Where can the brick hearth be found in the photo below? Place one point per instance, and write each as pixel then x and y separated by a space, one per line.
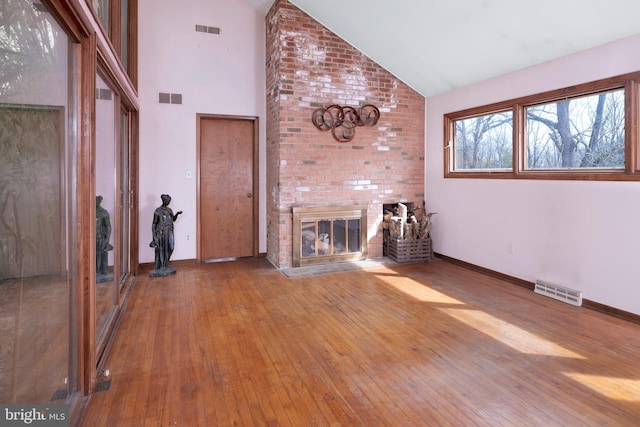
pixel 309 67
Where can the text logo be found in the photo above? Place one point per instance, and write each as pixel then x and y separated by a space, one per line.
pixel 34 415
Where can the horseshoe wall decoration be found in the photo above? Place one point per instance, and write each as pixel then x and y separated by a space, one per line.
pixel 342 121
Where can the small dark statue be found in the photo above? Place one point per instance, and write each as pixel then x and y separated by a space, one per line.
pixel 163 240
pixel 103 234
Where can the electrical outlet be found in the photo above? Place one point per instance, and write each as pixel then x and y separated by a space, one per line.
pixel 188 236
pixel 188 174
pixel 510 248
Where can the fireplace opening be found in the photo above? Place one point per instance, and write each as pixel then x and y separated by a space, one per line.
pixel 327 234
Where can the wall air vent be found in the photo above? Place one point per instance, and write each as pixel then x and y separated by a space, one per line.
pixel 205 29
pixel 104 94
pixel 570 296
pixel 169 98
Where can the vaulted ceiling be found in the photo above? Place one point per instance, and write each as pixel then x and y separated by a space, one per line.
pixel 440 45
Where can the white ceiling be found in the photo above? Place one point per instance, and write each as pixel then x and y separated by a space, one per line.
pixel 439 45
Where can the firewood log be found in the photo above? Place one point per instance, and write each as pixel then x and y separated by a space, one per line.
pixel 395 228
pixel 402 213
pixel 414 228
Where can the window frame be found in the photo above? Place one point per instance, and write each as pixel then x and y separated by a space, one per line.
pixel 114 34
pixel 631 171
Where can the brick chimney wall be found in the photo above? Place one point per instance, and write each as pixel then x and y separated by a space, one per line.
pixel 309 67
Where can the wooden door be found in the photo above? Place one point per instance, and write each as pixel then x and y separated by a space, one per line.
pixel 227 199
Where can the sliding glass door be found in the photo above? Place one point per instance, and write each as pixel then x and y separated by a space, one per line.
pixel 38 113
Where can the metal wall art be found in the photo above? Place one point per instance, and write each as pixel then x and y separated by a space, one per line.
pixel 342 121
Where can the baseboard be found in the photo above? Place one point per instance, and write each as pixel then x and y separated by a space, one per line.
pixel 611 311
pixel 148 266
pixel 488 272
pixel 592 305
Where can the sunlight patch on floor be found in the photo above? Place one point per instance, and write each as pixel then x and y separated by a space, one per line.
pixel 418 290
pixel 613 388
pixel 509 334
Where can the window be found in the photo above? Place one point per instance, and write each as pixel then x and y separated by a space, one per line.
pixel 124 33
pixel 38 251
pixel 119 23
pixel 102 8
pixel 106 206
pixel 484 142
pixel 582 132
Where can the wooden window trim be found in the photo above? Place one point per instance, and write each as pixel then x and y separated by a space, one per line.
pixel 133 42
pixel 631 172
pixel 113 36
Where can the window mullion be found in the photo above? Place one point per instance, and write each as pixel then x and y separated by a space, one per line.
pixel 518 139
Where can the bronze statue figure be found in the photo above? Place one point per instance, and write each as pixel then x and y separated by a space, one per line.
pixel 103 234
pixel 163 240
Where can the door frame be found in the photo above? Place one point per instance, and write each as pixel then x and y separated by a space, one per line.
pixel 254 184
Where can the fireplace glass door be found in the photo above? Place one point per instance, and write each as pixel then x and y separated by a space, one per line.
pixel 323 235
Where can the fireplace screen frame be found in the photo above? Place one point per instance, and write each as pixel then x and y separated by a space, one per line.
pixel 330 214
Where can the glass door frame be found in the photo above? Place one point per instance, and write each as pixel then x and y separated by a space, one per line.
pixel 89 46
pixel 126 194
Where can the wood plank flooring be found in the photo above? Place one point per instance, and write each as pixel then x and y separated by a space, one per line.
pixel 240 344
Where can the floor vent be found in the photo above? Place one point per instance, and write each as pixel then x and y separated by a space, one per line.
pixel 560 293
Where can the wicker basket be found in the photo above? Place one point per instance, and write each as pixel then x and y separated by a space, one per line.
pixel 410 250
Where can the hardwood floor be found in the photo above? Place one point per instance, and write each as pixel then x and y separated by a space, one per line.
pixel 239 343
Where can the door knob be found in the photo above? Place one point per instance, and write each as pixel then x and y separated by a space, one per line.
pixel 249 195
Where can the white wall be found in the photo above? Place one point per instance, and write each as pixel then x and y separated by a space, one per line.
pixel 216 74
pixel 583 235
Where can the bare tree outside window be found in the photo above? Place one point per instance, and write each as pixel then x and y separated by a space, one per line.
pixel 27 42
pixel 484 142
pixel 584 132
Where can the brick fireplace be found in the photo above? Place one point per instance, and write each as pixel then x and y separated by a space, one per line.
pixel 308 67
